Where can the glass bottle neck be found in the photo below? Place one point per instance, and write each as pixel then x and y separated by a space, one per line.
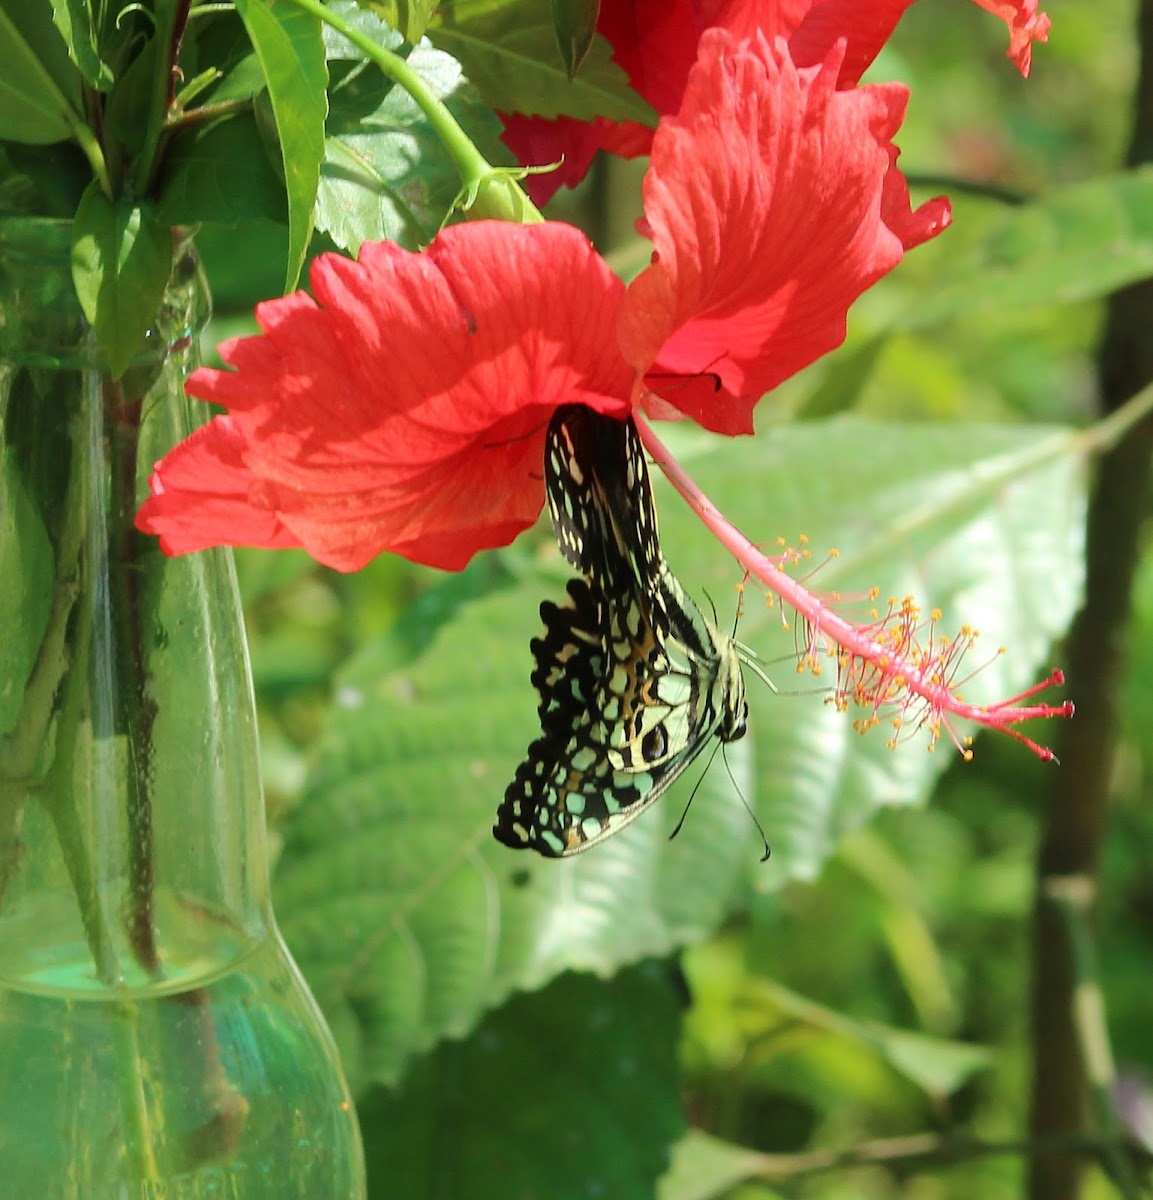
pixel 131 818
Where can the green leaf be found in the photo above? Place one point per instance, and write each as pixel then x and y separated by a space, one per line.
pixel 601 1061
pixel 509 52
pixel 409 920
pixel 74 20
pixel 386 173
pixel 984 522
pixel 407 915
pixel 1079 243
pixel 409 18
pixel 938 1066
pixel 56 176
pixel 126 113
pixel 847 373
pixel 243 80
pixel 25 545
pixel 220 172
pixel 289 44
pixel 706 1167
pixel 39 99
pixel 575 25
pixel 121 261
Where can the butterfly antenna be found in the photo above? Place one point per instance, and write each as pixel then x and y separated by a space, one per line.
pixel 751 659
pixel 748 808
pixel 716 619
pixel 696 786
pixel 747 654
pixel 732 779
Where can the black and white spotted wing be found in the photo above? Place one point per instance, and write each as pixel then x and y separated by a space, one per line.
pixel 633 680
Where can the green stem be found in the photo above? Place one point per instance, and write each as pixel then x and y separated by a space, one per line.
pixel 971 187
pixel 21 748
pixel 90 146
pixel 45 701
pixel 128 549
pixel 170 22
pixel 928 1151
pixel 471 164
pixel 132 1079
pixel 1075 823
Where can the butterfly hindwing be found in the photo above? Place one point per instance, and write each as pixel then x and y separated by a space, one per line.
pixel 633 680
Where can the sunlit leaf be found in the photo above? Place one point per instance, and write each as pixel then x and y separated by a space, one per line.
pixel 410 920
pixel 386 171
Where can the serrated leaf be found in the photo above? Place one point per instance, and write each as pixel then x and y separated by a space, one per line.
pixel 509 53
pixel 290 46
pixel 386 173
pixel 620 1104
pixel 575 24
pixel 407 917
pixel 1080 242
pixel 121 261
pixel 37 105
pixel 984 522
pixel 430 914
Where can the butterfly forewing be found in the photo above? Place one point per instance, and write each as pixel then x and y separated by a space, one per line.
pixel 633 680
pixel 600 498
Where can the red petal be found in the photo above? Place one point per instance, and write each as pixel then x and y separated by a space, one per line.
pixel 203 495
pixel 655 42
pixel 773 203
pixel 538 141
pixel 405 409
pixel 1026 26
pixel 865 29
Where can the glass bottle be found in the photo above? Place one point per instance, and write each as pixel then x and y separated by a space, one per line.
pixel 156 1040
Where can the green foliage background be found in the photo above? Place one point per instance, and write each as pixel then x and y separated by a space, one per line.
pixel 520 1028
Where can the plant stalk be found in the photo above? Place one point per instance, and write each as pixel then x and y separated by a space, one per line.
pixel 1076 820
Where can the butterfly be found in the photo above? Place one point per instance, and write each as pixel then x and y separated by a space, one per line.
pixel 633 680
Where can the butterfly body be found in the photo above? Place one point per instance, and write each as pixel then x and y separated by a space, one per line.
pixel 633 680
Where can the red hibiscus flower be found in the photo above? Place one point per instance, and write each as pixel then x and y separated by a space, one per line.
pixel 655 42
pixel 404 408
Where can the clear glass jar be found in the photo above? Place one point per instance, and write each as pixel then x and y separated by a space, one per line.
pixel 156 1039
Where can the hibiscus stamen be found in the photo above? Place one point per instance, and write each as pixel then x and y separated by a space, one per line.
pixel 898 665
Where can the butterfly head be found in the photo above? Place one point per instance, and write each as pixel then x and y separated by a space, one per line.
pixel 735 713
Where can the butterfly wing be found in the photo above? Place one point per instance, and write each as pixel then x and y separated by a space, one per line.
pixel 633 681
pixel 600 498
pixel 618 724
